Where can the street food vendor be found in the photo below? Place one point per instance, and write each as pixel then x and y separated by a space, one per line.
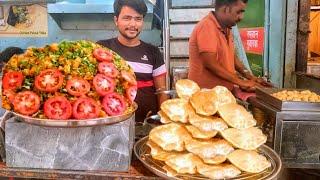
pixel 145 59
pixel 212 55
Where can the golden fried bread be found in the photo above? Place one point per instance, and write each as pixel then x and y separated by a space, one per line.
pixel 236 116
pixel 164 119
pixel 207 123
pixel 185 163
pixel 224 96
pixel 170 137
pixel 305 95
pixel 248 139
pixel 170 172
pixel 204 102
pixel 176 110
pixel 249 161
pixel 185 88
pixel 158 153
pixel 197 133
pixel 212 151
pixel 221 171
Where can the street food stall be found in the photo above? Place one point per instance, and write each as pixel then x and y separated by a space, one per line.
pixel 107 143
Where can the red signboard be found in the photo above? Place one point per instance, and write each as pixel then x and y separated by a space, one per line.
pixel 253 39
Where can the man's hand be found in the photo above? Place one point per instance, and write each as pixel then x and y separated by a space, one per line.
pixel 160 84
pixel 261 81
pixel 248 75
pixel 248 85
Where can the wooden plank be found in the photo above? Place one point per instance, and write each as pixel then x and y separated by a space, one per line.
pixel 303 33
pixel 179 48
pixel 183 3
pixel 137 171
pixel 181 30
pixel 187 15
pixel 183 62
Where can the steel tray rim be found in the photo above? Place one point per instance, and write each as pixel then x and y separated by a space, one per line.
pixel 270 153
pixel 74 123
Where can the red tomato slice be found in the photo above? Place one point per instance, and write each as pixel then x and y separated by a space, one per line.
pixel 85 108
pixel 26 102
pixel 103 84
pixel 114 104
pixel 103 54
pixel 78 86
pixel 49 80
pixel 12 80
pixel 130 78
pixel 10 94
pixel 57 107
pixel 131 93
pixel 108 69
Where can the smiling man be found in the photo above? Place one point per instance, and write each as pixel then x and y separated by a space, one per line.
pixel 145 59
pixel 212 55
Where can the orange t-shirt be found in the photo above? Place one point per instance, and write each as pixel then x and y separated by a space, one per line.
pixel 208 36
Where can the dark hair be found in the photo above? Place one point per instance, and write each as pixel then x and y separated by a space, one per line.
pixel 220 3
pixel 6 54
pixel 138 5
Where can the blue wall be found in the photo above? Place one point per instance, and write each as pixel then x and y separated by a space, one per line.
pixel 56 34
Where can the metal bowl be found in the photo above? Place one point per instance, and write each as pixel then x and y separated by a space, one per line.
pixel 142 151
pixel 73 123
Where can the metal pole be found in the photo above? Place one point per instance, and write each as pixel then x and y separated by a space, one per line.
pixel 266 39
pixel 166 39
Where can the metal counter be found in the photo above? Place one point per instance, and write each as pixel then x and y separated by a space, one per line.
pixel 136 171
pixel 294 135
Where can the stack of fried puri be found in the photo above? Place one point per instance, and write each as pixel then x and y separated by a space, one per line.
pixel 206 132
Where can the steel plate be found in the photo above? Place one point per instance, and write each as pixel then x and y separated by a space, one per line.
pixel 142 151
pixel 73 123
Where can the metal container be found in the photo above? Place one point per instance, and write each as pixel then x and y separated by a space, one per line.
pixel 104 147
pixel 294 135
pixel 94 144
pixel 142 151
pixel 264 94
pixel 142 129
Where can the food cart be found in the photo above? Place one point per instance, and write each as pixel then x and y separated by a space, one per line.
pixel 62 24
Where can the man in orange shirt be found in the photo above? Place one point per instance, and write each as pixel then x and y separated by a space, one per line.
pixel 212 55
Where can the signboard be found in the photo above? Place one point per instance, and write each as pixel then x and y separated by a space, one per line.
pixel 23 20
pixel 253 40
pixel 252 35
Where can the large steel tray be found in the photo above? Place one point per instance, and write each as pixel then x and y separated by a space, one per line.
pixel 142 151
pixel 73 123
pixel 264 94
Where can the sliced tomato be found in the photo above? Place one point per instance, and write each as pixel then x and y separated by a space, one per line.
pixel 57 107
pixel 114 104
pixel 49 80
pixel 131 93
pixel 129 77
pixel 103 54
pixel 26 102
pixel 77 86
pixel 12 80
pixel 108 69
pixel 85 108
pixel 103 84
pixel 10 94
